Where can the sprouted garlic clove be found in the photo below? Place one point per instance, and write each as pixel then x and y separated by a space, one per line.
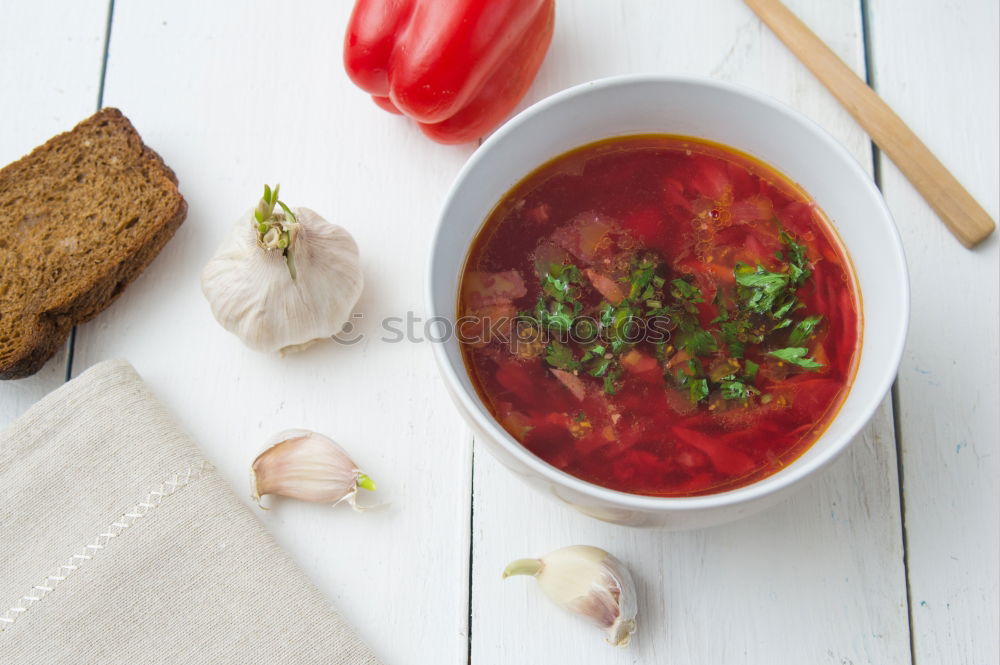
pixel 305 465
pixel 588 582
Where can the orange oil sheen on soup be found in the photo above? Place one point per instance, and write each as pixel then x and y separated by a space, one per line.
pixel 660 315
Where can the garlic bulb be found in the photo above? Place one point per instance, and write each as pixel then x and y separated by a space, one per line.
pixel 285 279
pixel 589 582
pixel 308 466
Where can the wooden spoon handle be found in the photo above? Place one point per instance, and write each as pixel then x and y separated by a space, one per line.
pixel 954 205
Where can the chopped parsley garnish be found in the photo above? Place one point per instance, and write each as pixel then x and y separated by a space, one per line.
pixel 685 291
pixel 611 381
pixel 561 356
pixel 698 389
pixel 617 323
pixel 723 314
pixel 562 282
pixel 804 329
pixel 796 355
pixel 690 336
pixel 555 316
pixel 737 390
pixel 760 290
pixel 692 381
pixel 595 351
pixel 697 342
pixel 558 307
pixel 798 269
pixel 761 309
pixel 601 367
pixel 641 285
pixel 736 334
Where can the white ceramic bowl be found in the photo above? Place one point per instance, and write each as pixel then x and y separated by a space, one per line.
pixel 730 115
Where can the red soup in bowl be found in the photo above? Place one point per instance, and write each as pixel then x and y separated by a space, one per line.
pixel 660 315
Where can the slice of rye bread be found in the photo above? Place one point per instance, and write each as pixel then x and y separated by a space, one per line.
pixel 80 218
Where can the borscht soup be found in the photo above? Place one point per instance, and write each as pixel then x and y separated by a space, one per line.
pixel 660 315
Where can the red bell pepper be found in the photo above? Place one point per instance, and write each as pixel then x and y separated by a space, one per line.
pixel 457 68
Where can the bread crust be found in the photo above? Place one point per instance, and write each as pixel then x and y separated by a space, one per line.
pixel 48 319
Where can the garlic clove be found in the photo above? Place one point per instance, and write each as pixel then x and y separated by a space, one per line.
pixel 588 582
pixel 308 466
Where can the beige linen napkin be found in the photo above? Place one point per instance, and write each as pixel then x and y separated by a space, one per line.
pixel 120 544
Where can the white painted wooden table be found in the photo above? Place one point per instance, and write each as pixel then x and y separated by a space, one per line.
pixel 890 557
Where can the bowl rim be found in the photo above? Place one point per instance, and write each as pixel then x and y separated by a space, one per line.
pixel 769 485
